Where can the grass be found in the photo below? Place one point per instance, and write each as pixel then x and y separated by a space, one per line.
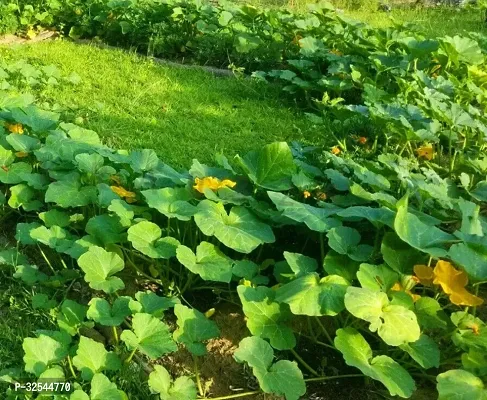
pixel 434 22
pixel 133 102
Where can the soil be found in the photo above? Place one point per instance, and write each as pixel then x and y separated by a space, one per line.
pixel 14 39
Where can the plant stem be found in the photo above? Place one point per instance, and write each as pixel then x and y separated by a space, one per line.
pixel 304 363
pixel 322 247
pixel 234 396
pixel 197 376
pixel 129 358
pixel 115 334
pixel 71 367
pixel 329 378
pixel 325 332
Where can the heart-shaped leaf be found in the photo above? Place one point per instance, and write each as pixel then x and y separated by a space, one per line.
pixel 282 378
pixel 316 219
pixel 193 329
pixel 395 324
pixel 182 388
pixel 270 167
pixel 145 236
pixel 149 335
pixel 357 353
pixel 103 313
pixel 265 317
pixel 209 262
pixel 91 357
pixel 99 267
pixel 310 295
pixel 171 202
pixel 240 229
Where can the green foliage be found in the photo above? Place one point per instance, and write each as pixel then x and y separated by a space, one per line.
pixel 381 236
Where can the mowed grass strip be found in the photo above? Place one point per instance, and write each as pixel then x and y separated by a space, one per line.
pixel 133 102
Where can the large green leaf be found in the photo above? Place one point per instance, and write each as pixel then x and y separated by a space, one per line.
pixel 103 389
pixel 418 234
pixel 145 236
pixel 161 383
pixel 316 219
pixel 310 295
pixel 150 303
pixel 240 230
pixel 106 228
pixel 271 167
pixel 458 384
pixel 424 351
pixel 71 316
pixel 103 313
pixel 357 353
pixel 400 256
pixel 149 335
pixel 282 378
pixel 208 262
pixel 92 357
pixel 265 317
pixel 99 267
pixel 377 277
pixel 193 329
pixel 14 173
pixel 42 352
pixel 345 240
pixel 69 193
pixel 300 264
pixel 473 259
pixel 395 324
pixel 172 202
pixel 462 49
pixel 342 265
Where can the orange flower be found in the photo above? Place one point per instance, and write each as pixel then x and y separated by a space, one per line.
pixel 336 150
pixel 21 154
pixel 425 152
pixel 425 274
pixel 453 282
pixel 306 194
pixel 128 196
pixel 212 183
pixel 362 140
pixel 15 128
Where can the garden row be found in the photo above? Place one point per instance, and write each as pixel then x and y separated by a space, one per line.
pixel 374 249
pixel 382 260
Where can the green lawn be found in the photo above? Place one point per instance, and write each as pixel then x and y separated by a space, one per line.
pixel 133 102
pixel 433 22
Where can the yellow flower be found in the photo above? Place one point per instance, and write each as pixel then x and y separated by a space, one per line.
pixel 212 183
pixel 336 150
pixel 21 154
pixel 306 194
pixel 425 152
pixel 399 288
pixel 128 196
pixel 453 282
pixel 31 33
pixel 425 274
pixel 15 128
